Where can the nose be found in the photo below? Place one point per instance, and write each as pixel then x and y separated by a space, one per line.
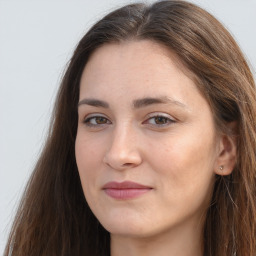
pixel 124 151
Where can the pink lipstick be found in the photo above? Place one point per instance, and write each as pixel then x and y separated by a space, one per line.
pixel 125 190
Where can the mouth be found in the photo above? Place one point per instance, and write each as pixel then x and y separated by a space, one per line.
pixel 125 190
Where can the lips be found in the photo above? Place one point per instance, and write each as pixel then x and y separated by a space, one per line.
pixel 125 190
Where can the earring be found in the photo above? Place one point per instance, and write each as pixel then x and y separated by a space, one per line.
pixel 221 167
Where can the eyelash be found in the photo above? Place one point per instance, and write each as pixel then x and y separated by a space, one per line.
pixel 167 121
pixel 90 118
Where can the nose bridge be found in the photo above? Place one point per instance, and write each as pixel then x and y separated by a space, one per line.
pixel 123 132
pixel 123 150
pixel 124 139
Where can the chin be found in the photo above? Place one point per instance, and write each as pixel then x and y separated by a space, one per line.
pixel 124 226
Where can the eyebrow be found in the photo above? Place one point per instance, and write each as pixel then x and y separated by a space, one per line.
pixel 94 103
pixel 159 100
pixel 139 103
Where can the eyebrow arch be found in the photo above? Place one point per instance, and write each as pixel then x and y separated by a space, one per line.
pixel 94 103
pixel 159 100
pixel 139 103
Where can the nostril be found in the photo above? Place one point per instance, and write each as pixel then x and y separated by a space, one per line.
pixel 118 160
pixel 128 164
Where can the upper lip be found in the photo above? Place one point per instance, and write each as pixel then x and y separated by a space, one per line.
pixel 124 185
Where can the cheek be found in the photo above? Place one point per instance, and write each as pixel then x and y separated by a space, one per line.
pixel 88 151
pixel 185 165
pixel 87 159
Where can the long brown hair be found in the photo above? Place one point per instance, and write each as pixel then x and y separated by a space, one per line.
pixel 54 218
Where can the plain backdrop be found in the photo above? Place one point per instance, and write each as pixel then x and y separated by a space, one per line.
pixel 37 39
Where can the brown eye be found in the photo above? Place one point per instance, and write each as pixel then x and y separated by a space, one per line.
pixel 96 120
pixel 100 120
pixel 161 120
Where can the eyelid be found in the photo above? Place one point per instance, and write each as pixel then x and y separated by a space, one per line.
pixel 160 114
pixel 89 117
pixel 95 115
pixel 155 114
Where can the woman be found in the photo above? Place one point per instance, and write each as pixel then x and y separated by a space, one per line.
pixel 152 145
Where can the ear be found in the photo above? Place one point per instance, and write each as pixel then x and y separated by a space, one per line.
pixel 226 158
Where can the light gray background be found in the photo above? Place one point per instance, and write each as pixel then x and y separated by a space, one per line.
pixel 36 40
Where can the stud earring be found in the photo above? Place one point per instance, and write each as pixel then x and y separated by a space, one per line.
pixel 221 167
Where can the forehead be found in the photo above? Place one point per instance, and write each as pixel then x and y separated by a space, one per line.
pixel 140 64
pixel 134 50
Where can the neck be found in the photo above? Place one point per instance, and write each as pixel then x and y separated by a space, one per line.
pixel 177 242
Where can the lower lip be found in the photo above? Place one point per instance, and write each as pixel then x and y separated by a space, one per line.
pixel 126 193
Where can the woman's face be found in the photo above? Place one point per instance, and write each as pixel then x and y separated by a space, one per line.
pixel 146 146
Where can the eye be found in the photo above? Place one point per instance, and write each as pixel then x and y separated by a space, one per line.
pixel 95 121
pixel 159 120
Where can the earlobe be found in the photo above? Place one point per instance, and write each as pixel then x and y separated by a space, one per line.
pixel 226 158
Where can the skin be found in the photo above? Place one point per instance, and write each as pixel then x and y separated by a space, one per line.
pixel 170 146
